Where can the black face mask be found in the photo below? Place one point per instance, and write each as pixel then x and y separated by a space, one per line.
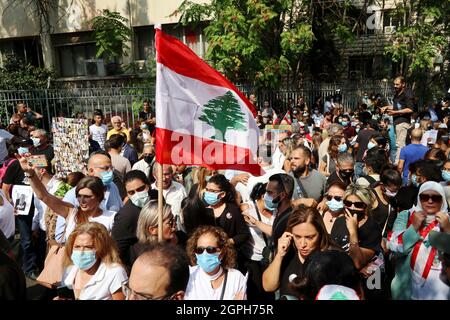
pixel 359 213
pixel 148 159
pixel 346 175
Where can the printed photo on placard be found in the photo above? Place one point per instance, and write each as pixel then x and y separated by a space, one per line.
pixel 22 197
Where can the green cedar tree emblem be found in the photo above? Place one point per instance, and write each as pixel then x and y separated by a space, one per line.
pixel 224 113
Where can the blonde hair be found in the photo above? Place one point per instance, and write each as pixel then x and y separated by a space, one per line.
pixel 363 193
pixel 105 247
pixel 149 218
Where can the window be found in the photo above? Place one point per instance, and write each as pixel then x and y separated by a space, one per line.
pixel 28 50
pixel 360 67
pixel 193 38
pixel 72 58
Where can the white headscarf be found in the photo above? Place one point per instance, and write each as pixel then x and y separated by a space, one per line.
pixel 431 185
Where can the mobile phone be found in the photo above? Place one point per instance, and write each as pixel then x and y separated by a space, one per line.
pixel 65 292
pixel 38 160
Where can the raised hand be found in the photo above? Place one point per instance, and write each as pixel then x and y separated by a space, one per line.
pixel 418 219
pixel 444 221
pixel 24 162
pixel 283 243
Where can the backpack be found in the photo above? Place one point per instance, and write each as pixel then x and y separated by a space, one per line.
pixel 5 167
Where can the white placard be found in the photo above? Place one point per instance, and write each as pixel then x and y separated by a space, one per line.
pixel 22 197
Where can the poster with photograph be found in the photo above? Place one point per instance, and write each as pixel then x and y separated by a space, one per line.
pixel 71 145
pixel 22 197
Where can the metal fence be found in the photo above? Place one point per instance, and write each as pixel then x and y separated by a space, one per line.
pixel 127 101
pixel 123 101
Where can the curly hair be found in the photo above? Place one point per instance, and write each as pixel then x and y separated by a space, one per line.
pixel 105 247
pixel 227 250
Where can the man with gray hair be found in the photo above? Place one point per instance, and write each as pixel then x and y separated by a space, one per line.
pixel 344 170
pixel 333 130
pixel 41 147
pixel 265 161
pixel 118 128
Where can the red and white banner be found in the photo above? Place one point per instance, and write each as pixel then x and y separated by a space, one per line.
pixel 201 118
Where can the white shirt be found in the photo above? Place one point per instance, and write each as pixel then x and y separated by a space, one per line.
pixel 99 134
pixel 433 288
pixel 106 281
pixel 40 207
pixel 199 285
pixel 254 246
pixel 7 219
pixel 106 219
pixel 143 166
pixel 278 159
pixel 173 196
pixel 4 136
pixel 245 190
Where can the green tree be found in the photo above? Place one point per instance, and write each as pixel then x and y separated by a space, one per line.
pixel 111 34
pixel 224 113
pixel 269 40
pixel 422 36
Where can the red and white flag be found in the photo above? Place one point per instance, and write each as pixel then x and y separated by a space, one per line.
pixel 275 119
pixel 287 117
pixel 201 118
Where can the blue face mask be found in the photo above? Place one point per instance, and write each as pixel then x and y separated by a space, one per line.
pixel 36 141
pixel 23 151
pixel 371 145
pixel 208 262
pixel 269 203
pixel 334 205
pixel 143 126
pixel 344 123
pixel 84 260
pixel 342 148
pixel 107 177
pixel 414 181
pixel 211 198
pixel 446 175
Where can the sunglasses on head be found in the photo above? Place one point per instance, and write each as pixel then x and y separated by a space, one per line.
pixel 426 197
pixel 337 198
pixel 209 249
pixel 357 204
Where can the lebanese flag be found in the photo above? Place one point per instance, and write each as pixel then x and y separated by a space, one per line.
pixel 275 119
pixel 423 254
pixel 201 118
pixel 287 117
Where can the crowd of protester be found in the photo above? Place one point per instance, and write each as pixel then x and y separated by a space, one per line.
pixel 352 205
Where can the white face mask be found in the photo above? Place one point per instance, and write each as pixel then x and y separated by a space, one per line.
pixel 140 199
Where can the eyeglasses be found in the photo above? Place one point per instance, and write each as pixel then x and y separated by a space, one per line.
pixel 337 198
pixel 434 197
pixel 357 204
pixel 209 249
pixel 138 189
pixel 129 293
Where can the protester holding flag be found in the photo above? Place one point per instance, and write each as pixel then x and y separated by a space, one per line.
pixel 417 265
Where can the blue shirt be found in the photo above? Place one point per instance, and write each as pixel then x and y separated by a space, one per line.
pixel 112 202
pixel 410 154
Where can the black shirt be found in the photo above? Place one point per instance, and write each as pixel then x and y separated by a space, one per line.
pixel 12 279
pixel 234 225
pixel 384 214
pixel 362 140
pixel 402 101
pixel 290 269
pixel 14 175
pixel 279 226
pixel 145 115
pixel 125 225
pixel 334 177
pixel 369 234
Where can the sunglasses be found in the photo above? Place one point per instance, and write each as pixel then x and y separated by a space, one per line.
pixel 426 197
pixel 337 198
pixel 209 249
pixel 357 204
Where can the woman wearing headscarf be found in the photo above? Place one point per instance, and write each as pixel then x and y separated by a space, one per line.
pixel 418 266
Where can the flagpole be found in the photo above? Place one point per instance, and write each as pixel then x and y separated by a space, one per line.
pixel 160 201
